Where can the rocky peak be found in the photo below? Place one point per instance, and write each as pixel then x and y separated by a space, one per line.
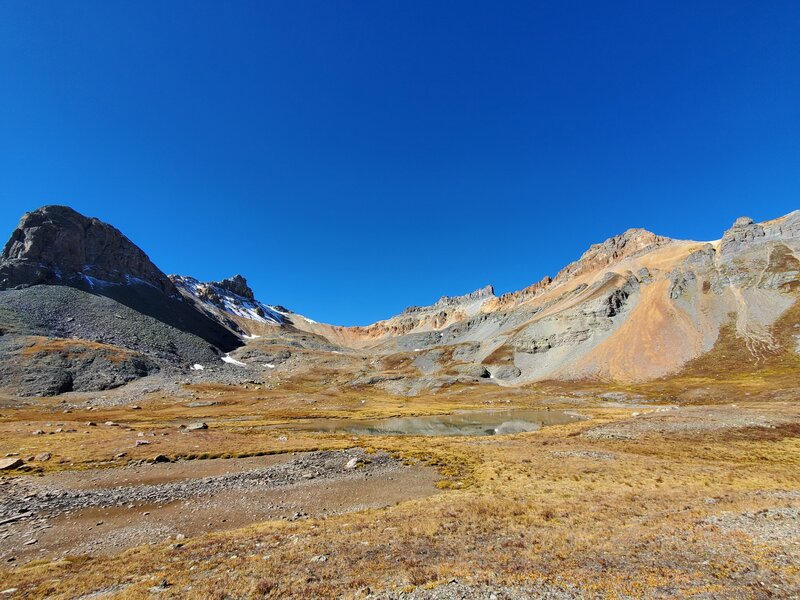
pixel 743 232
pixel 237 285
pixel 58 245
pixel 445 301
pixel 479 294
pixel 231 296
pixel 614 250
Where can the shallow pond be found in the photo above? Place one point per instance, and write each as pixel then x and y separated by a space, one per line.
pixel 483 422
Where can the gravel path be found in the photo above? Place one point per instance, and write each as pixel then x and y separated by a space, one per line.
pixel 21 496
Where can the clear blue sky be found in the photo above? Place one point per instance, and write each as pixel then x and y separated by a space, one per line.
pixel 354 158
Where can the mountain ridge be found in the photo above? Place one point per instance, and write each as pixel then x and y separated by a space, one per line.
pixel 636 306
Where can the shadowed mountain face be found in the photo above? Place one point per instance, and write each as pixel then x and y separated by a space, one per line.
pixel 638 306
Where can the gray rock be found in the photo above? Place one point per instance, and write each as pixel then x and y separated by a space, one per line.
pixel 743 233
pixel 473 370
pixel 505 372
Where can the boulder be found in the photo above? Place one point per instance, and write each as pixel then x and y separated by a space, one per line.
pixel 506 372
pixel 7 464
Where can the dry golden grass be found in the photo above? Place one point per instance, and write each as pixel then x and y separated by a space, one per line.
pixel 73 347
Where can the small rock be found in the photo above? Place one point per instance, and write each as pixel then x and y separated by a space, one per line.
pixel 142 442
pixel 43 457
pixel 160 458
pixel 136 407
pixel 320 559
pixel 30 542
pixel 120 455
pixel 91 424
pixel 111 424
pixel 351 464
pixel 196 426
pixel 37 432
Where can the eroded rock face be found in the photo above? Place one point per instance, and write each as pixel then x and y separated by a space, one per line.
pixel 57 245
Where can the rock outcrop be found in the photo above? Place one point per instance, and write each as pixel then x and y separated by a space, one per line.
pixel 614 249
pixel 57 245
pixel 237 285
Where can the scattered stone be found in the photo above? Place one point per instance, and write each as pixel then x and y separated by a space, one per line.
pixel 37 432
pixel 351 464
pixel 142 442
pixel 320 559
pixel 160 458
pixel 196 426
pixel 91 424
pixel 111 424
pixel 43 457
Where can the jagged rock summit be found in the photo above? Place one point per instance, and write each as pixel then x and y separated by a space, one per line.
pixel 58 245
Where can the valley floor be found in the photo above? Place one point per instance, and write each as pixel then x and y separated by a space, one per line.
pixel 647 497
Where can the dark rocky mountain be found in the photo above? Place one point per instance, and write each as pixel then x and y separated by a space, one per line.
pixel 56 245
pixel 83 308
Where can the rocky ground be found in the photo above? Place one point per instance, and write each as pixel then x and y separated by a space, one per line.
pixel 108 510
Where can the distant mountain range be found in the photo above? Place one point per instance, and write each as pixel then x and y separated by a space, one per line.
pixel 83 308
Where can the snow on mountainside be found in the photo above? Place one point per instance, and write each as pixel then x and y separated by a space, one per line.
pixel 232 296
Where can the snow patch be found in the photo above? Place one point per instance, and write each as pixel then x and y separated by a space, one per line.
pixel 250 337
pixel 197 367
pixel 232 361
pixel 269 365
pixel 219 298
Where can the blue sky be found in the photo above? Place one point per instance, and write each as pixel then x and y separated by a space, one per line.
pixel 353 158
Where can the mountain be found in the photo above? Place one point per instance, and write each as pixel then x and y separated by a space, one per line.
pixel 636 307
pixel 83 308
pixel 65 276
